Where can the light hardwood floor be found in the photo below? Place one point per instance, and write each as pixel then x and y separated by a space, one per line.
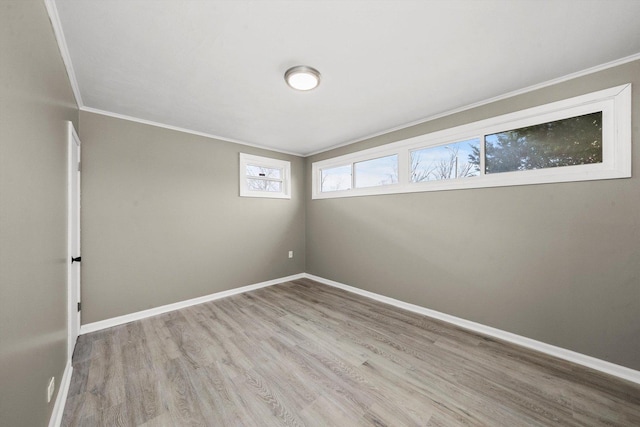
pixel 302 353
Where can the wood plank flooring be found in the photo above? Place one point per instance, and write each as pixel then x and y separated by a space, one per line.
pixel 305 354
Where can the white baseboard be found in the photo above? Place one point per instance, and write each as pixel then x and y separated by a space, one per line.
pixel 559 352
pixel 61 399
pixel 120 320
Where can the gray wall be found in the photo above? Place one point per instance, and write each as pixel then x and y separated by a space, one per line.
pixel 559 263
pixel 162 221
pixel 35 102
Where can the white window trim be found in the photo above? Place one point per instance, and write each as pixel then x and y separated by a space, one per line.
pixel 284 165
pixel 615 104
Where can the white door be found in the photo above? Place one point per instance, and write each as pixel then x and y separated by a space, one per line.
pixel 73 270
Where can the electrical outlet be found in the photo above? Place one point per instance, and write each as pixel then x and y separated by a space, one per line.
pixel 290 254
pixel 51 388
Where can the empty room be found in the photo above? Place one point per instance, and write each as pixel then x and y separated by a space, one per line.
pixel 319 213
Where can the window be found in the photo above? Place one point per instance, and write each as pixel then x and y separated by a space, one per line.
pixel 451 161
pixel 583 138
pixel 336 178
pixel 264 177
pixel 375 172
pixel 568 142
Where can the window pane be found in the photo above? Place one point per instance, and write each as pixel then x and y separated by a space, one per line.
pixel 261 171
pixel 264 185
pixel 458 160
pixel 568 142
pixel 372 173
pixel 335 179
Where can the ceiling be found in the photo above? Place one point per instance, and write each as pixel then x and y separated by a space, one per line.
pixel 216 67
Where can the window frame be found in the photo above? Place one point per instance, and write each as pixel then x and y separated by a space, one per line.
pixel 266 162
pixel 615 104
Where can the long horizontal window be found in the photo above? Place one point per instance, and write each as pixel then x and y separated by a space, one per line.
pixel 583 138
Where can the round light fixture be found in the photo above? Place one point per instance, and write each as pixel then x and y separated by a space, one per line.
pixel 302 77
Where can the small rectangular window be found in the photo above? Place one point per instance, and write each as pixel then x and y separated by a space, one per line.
pixel 568 142
pixel 263 185
pixel 451 161
pixel 336 178
pixel 264 177
pixel 377 172
pixel 261 171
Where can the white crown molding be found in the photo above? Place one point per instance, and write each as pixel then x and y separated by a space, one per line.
pixel 64 51
pixel 120 320
pixel 551 350
pixel 58 408
pixel 184 130
pixel 507 95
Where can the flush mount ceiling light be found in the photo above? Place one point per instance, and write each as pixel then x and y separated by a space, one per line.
pixel 302 77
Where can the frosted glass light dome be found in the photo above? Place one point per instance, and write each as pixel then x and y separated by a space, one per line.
pixel 302 77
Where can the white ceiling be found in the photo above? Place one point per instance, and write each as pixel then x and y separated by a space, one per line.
pixel 216 67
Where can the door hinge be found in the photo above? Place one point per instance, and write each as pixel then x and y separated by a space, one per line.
pixel 79 306
pixel 79 166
